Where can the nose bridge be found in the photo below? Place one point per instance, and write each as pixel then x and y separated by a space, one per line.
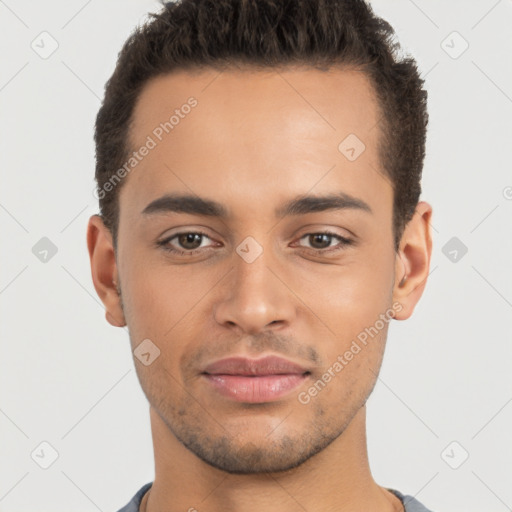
pixel 253 277
pixel 256 297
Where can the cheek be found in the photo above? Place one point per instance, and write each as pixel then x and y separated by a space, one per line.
pixel 160 299
pixel 144 305
pixel 348 296
pixel 149 302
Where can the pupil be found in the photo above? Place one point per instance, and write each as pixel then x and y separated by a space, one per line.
pixel 320 240
pixel 190 240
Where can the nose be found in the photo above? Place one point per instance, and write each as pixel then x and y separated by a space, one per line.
pixel 255 297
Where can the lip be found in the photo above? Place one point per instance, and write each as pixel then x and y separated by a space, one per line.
pixel 268 365
pixel 255 380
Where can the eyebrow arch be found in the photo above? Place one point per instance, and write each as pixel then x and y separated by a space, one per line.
pixel 310 204
pixel 300 205
pixel 178 203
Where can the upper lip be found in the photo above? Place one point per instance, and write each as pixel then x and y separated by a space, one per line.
pixel 268 365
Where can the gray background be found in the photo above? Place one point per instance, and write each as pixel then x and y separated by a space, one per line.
pixel 68 378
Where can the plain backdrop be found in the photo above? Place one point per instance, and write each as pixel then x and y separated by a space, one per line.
pixel 440 418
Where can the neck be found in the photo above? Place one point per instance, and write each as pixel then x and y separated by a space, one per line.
pixel 336 479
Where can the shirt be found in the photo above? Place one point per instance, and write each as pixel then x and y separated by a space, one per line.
pixel 410 503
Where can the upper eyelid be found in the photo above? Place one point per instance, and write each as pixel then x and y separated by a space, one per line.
pixel 342 240
pixel 328 233
pixel 167 239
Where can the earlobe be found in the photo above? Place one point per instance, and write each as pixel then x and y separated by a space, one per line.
pixel 413 261
pixel 104 270
pixel 113 321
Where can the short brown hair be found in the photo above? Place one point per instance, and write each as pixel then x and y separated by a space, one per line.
pixel 269 34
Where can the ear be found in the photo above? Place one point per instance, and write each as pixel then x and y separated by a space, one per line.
pixel 413 261
pixel 104 270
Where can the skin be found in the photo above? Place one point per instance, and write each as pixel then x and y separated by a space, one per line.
pixel 255 140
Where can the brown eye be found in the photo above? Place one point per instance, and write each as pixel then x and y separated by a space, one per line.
pixel 324 242
pixel 190 240
pixel 320 240
pixel 187 243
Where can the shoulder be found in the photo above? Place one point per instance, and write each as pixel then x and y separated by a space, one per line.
pixel 411 504
pixel 134 504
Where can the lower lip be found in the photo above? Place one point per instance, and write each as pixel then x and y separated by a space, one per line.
pixel 257 389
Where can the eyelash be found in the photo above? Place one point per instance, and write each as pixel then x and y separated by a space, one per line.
pixel 164 243
pixel 172 250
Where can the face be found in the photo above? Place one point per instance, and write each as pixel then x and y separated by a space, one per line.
pixel 273 240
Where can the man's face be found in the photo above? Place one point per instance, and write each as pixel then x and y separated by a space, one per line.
pixel 254 142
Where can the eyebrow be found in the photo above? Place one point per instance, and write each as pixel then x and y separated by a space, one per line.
pixel 195 205
pixel 309 204
pixel 301 205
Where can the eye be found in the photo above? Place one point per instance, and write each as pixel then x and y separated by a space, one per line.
pixel 185 243
pixel 322 241
pixel 191 242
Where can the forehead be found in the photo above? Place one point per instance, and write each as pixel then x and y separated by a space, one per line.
pixel 243 134
pixel 261 102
